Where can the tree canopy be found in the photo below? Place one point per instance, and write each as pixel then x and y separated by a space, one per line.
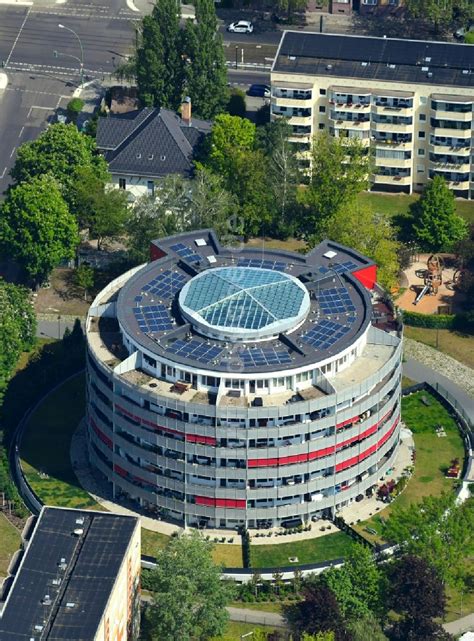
pixel 189 596
pixel 340 170
pixel 436 225
pixel 171 62
pixel 37 227
pixel 17 329
pixel 437 530
pixel 58 151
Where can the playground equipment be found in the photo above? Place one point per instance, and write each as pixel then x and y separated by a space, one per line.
pixel 432 277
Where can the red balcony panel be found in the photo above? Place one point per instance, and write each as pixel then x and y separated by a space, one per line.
pixel 119 470
pixel 204 440
pixel 347 422
pixel 205 500
pixel 345 464
pixel 103 437
pixel 240 504
pixel 367 276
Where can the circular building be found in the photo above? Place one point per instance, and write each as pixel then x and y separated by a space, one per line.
pixel 232 387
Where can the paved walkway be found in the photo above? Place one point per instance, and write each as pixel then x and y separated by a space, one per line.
pixel 257 617
pixel 425 363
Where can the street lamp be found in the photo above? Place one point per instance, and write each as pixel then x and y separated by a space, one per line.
pixel 81 61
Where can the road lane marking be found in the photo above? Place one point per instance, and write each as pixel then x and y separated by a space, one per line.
pixel 3 172
pixel 12 152
pixel 17 37
pixel 21 132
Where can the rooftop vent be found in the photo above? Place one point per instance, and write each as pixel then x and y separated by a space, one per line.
pixel 62 565
pixel 80 520
pixel 425 68
pixel 427 59
pixel 392 66
pixel 328 67
pixel 465 72
pixel 78 532
pixel 139 155
pixel 38 627
pixel 46 600
pixel 56 581
pixel 150 156
pixel 162 158
pixel 70 604
pixel 212 259
pixel 200 242
pixel 330 254
pixel 430 74
pixel 364 64
pixel 292 57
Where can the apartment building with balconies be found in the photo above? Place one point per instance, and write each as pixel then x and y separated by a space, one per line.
pixel 410 102
pixel 236 387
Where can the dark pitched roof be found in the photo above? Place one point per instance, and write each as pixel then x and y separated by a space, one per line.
pixel 390 59
pixel 92 562
pixel 149 142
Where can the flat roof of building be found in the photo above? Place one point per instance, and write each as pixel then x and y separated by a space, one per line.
pixel 368 58
pixel 77 572
pixel 339 308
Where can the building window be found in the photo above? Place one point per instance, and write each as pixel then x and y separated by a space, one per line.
pixel 150 187
pixel 421 152
pixel 322 110
pixel 420 169
pixel 321 125
pixel 421 134
pixel 370 2
pixel 322 92
pixel 122 183
pixel 423 100
pixel 422 117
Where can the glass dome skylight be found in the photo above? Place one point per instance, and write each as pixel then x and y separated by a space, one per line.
pixel 244 303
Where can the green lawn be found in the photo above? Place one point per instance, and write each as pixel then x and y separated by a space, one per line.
pixel 395 204
pixel 433 456
pixel 46 443
pixel 459 346
pixel 10 541
pixel 322 548
pixel 235 630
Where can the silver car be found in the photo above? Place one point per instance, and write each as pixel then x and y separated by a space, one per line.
pixel 241 26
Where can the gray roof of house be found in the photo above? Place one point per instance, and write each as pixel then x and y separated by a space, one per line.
pixel 149 142
pixel 389 59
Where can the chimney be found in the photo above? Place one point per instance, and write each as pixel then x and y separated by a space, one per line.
pixel 186 111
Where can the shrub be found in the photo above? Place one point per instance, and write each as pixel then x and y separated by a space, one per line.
pixel 236 105
pixel 74 108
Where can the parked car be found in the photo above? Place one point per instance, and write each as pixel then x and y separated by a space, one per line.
pixel 259 90
pixel 461 33
pixel 241 26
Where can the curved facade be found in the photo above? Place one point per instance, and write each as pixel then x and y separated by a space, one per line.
pixel 235 387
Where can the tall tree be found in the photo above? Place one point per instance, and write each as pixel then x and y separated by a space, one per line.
pixel 366 628
pixel 17 329
pixel 211 205
pixel 159 62
pixel 205 70
pixel 416 592
pixel 37 227
pixel 189 596
pixel 59 150
pixel 339 171
pixel 284 175
pixel 378 240
pixel 317 612
pixel 436 225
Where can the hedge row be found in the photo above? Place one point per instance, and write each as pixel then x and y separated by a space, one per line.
pixel 462 322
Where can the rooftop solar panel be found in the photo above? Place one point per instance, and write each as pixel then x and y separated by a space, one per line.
pixel 153 318
pixel 186 252
pixel 335 300
pixel 194 349
pixel 261 263
pixel 325 334
pixel 258 357
pixel 166 284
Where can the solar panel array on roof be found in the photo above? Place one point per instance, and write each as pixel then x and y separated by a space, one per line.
pixel 195 349
pixel 153 318
pixel 258 357
pixel 264 264
pixel 325 334
pixel 338 268
pixel 165 284
pixel 186 252
pixel 335 300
